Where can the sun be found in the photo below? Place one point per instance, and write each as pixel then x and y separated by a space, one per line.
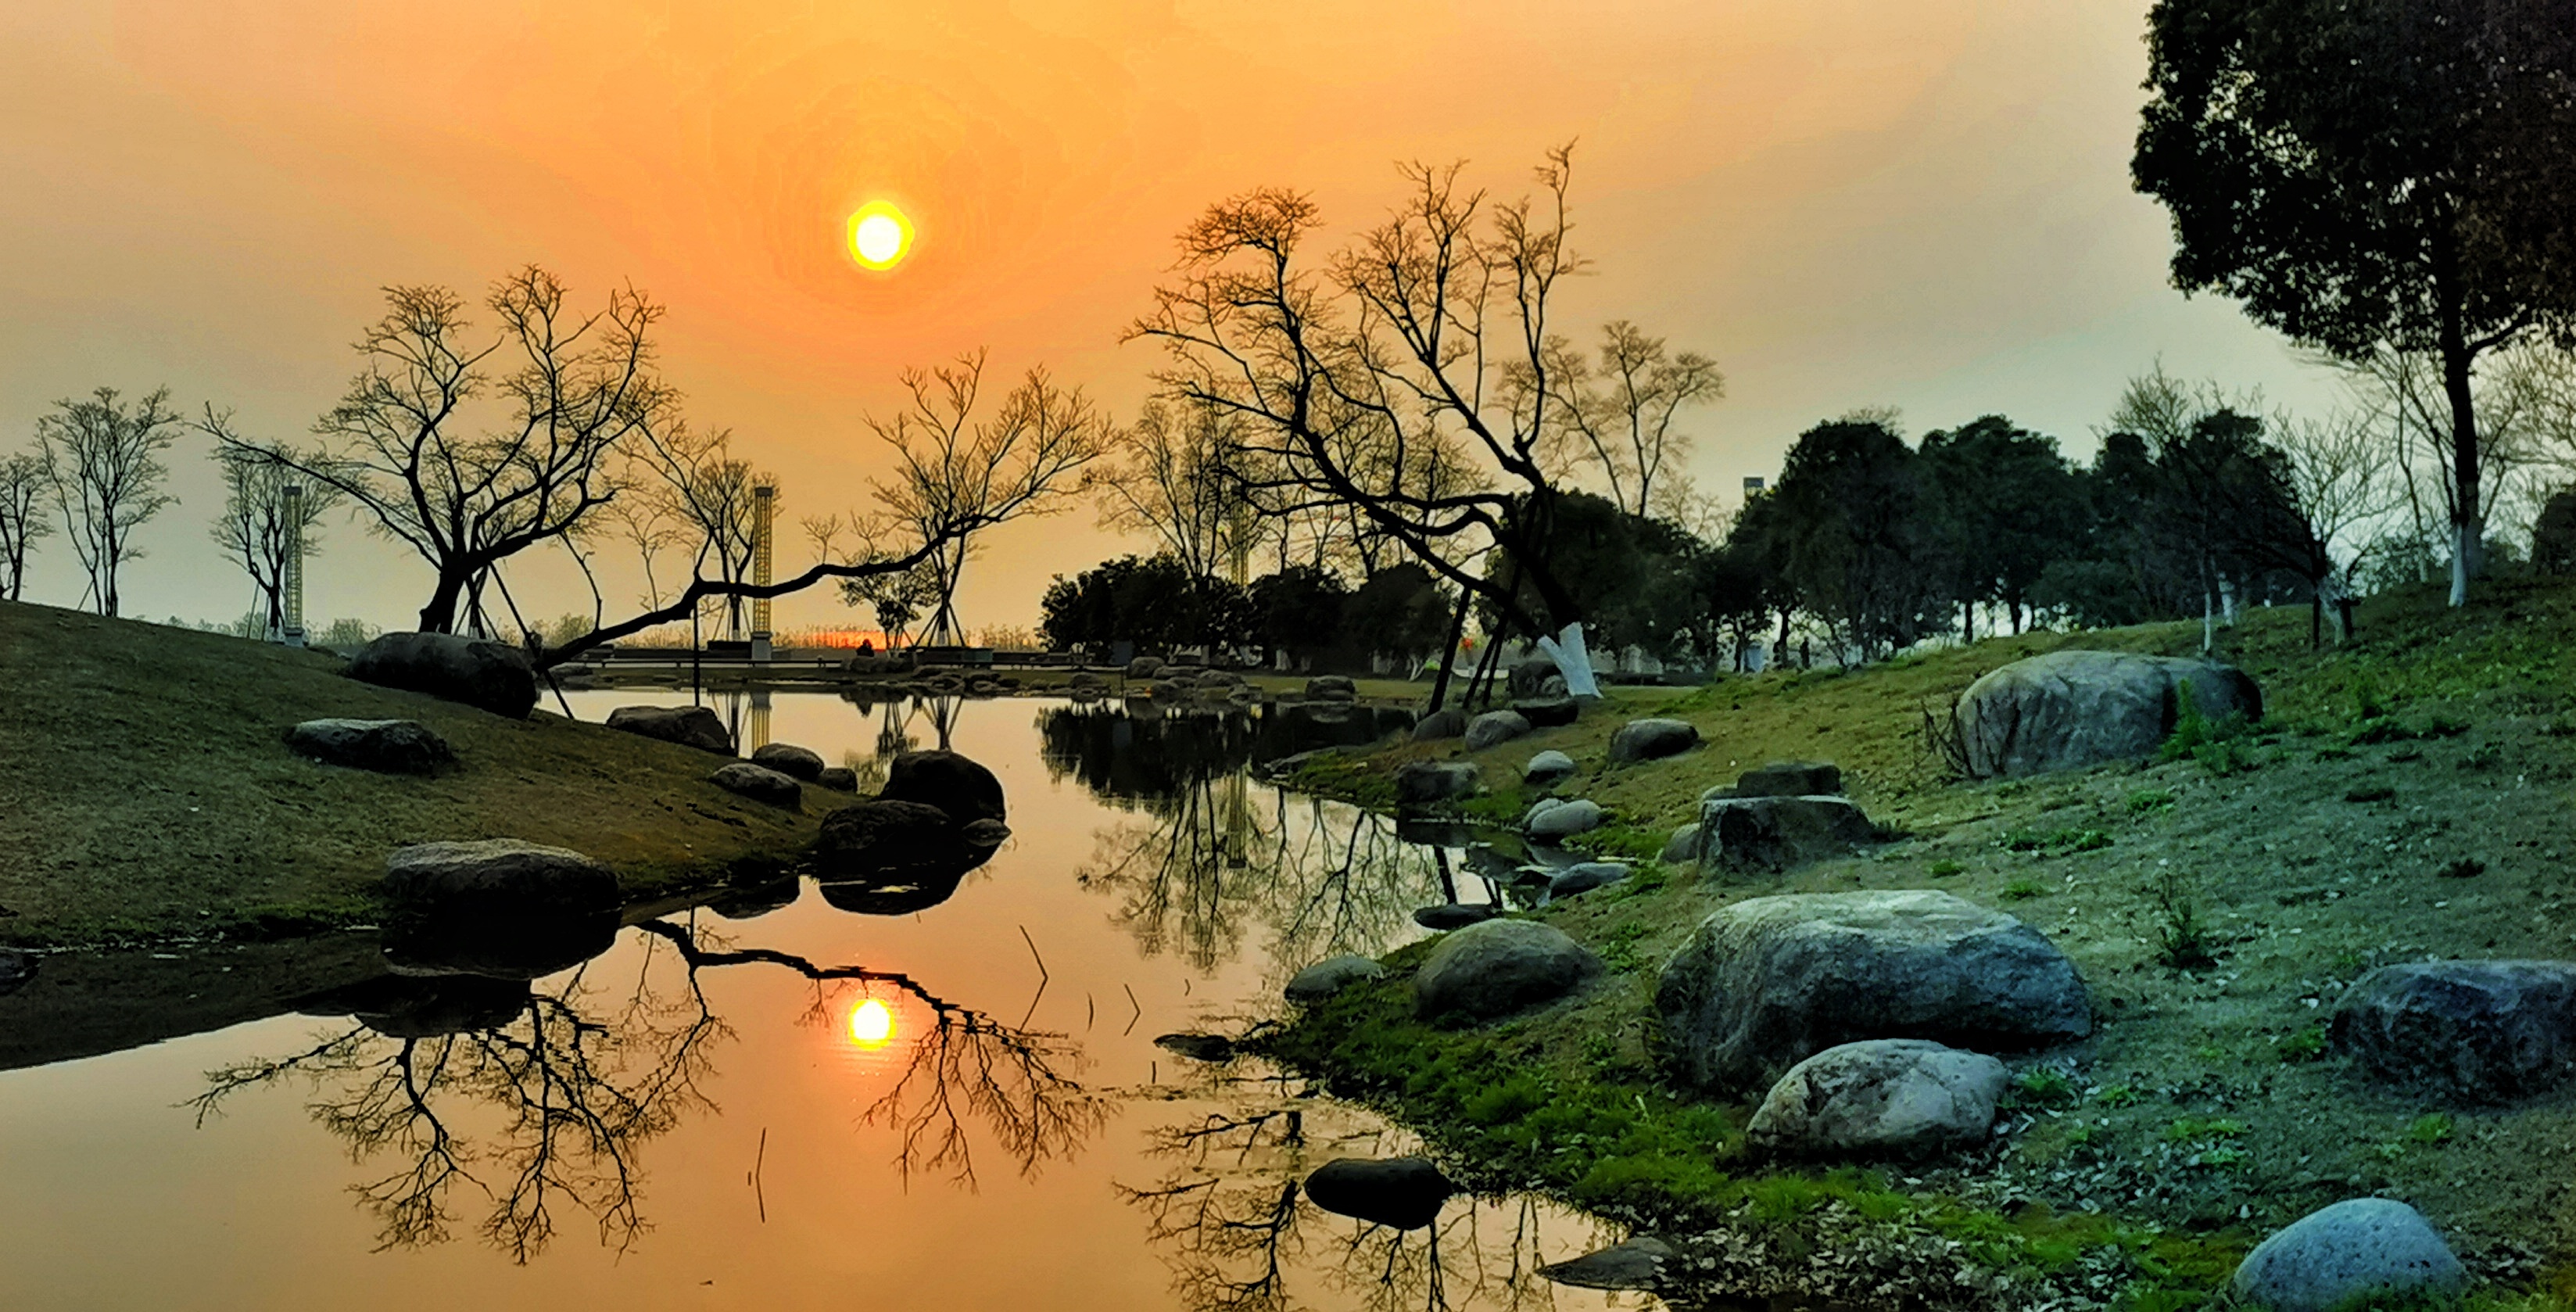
pixel 871 1024
pixel 880 235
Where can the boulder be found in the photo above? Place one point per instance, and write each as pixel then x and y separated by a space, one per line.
pixel 759 783
pixel 1331 688
pixel 1651 740
pixel 1566 819
pixel 1455 915
pixel 1528 676
pixel 898 892
pixel 1769 981
pixel 1636 1264
pixel 497 875
pixel 16 968
pixel 1403 1192
pixel 1554 686
pixel 885 834
pixel 1790 779
pixel 689 726
pixel 1421 783
pixel 795 762
pixel 1776 833
pixel 1497 968
pixel 1447 723
pixel 384 746
pixel 1539 808
pixel 983 833
pixel 2070 709
pixel 1682 846
pixel 1880 1098
pixel 478 672
pixel 1144 667
pixel 1197 1047
pixel 2469 1031
pixel 1548 712
pixel 1326 978
pixel 838 778
pixel 1585 877
pixel 2372 1251
pixel 953 783
pixel 1495 727
pixel 1548 768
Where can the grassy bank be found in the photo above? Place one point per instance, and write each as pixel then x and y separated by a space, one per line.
pixel 2407 797
pixel 145 793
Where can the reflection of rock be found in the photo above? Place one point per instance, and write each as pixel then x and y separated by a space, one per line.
pixel 385 746
pixel 959 786
pixel 1197 1047
pixel 497 876
pixel 1326 978
pixel 1636 1264
pixel 1403 1192
pixel 689 726
pixel 1455 915
pixel 500 947
pixel 760 784
pixel 426 1006
pixel 897 894
pixel 1331 688
pixel 1881 1097
pixel 2374 1252
pixel 1433 831
pixel 756 900
pixel 477 672
pixel 1421 783
pixel 790 760
pixel 1497 968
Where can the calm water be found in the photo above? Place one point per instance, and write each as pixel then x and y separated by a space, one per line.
pixel 796 1106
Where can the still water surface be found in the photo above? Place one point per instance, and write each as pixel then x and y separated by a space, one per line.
pixel 799 1106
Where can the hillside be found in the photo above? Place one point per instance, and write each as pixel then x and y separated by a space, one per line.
pixel 145 792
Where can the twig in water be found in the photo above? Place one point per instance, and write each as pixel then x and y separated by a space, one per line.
pixel 760 1159
pixel 1132 1002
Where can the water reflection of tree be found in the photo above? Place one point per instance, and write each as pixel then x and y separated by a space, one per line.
pixel 551 1103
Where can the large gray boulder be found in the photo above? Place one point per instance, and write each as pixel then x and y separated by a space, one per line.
pixel 384 746
pixel 1880 1098
pixel 689 726
pixel 1565 819
pixel 2361 1250
pixel 497 875
pixel 790 760
pixel 1422 783
pixel 1328 977
pixel 759 783
pixel 1449 722
pixel 2469 1031
pixel 1651 740
pixel 1494 728
pixel 1790 779
pixel 1497 968
pixel 1769 981
pixel 1403 1192
pixel 476 671
pixel 953 783
pixel 1546 768
pixel 2069 709
pixel 1776 833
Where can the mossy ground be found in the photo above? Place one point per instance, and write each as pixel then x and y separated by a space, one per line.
pixel 2408 796
pixel 146 794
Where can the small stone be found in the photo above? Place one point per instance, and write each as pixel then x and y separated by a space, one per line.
pixel 1326 978
pixel 2341 1256
pixel 1455 915
pixel 1494 728
pixel 498 874
pixel 1580 816
pixel 790 760
pixel 1682 846
pixel 1651 740
pixel 1331 688
pixel 1546 768
pixel 1586 877
pixel 759 783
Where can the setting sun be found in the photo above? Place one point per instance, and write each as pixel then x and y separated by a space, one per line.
pixel 871 1024
pixel 880 235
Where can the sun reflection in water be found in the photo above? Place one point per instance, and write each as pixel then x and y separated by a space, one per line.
pixel 871 1024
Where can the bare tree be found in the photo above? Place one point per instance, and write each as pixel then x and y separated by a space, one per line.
pixel 22 483
pixel 2337 472
pixel 708 491
pixel 406 445
pixel 102 460
pixel 259 526
pixel 1171 485
pixel 1622 409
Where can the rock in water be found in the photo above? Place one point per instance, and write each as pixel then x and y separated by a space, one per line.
pixel 1770 981
pixel 1448 723
pixel 2069 709
pixel 1791 779
pixel 689 726
pixel 759 783
pixel 499 875
pixel 1497 968
pixel 878 834
pixel 2473 1031
pixel 959 786
pixel 1651 740
pixel 2347 1254
pixel 1548 768
pixel 790 760
pixel 1777 833
pixel 1495 727
pixel 1636 1264
pixel 1421 783
pixel 1326 978
pixel 1455 915
pixel 385 746
pixel 1403 1192
pixel 838 778
pixel 1331 688
pixel 475 671
pixel 1586 877
pixel 1881 1097
pixel 1565 819
pixel 1197 1047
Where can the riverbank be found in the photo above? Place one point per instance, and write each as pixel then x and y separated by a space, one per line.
pixel 146 794
pixel 2408 796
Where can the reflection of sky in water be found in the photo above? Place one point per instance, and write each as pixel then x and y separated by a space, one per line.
pixel 776 1127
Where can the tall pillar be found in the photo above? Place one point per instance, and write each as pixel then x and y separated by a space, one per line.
pixel 291 576
pixel 764 503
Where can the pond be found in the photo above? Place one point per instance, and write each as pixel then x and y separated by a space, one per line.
pixel 777 1101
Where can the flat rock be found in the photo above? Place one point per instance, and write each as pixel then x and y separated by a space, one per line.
pixel 1769 981
pixel 500 874
pixel 1546 768
pixel 1421 783
pixel 689 726
pixel 2070 709
pixel 1455 915
pixel 1636 1264
pixel 384 746
pixel 2468 1031
pixel 1790 779
pixel 759 783
pixel 1777 833
pixel 1881 1098
pixel 1585 877
pixel 1403 1192
pixel 1498 968
pixel 1326 978
pixel 1651 740
pixel 1565 819
pixel 1548 712
pixel 1494 728
pixel 838 778
pixel 1441 724
pixel 800 763
pixel 1682 846
pixel 2349 1253
pixel 955 784
pixel 478 672
pixel 881 834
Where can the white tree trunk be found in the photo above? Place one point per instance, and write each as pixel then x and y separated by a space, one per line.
pixel 2461 542
pixel 1566 649
pixel 2227 601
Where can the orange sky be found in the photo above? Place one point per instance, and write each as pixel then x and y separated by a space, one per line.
pixel 1918 203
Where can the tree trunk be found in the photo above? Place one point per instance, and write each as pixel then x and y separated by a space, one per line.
pixel 2468 517
pixel 439 616
pixel 1967 624
pixel 1572 661
pixel 1449 655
